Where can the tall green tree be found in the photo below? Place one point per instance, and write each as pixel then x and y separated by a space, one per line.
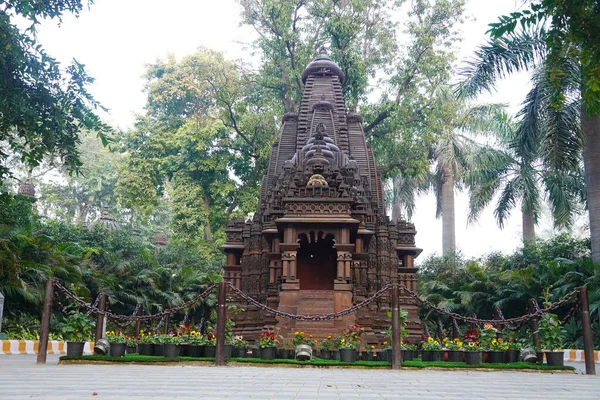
pixel 515 169
pixel 561 33
pixel 43 109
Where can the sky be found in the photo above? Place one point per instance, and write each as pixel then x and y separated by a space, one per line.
pixel 116 39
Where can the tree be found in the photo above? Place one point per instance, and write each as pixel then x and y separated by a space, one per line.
pixel 515 168
pixel 561 33
pixel 43 109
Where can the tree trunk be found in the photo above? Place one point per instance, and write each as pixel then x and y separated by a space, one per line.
pixel 207 229
pixel 590 126
pixel 396 211
pixel 448 220
pixel 528 226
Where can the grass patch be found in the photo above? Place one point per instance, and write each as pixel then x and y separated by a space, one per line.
pixel 136 358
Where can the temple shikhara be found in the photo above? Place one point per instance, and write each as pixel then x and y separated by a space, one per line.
pixel 320 240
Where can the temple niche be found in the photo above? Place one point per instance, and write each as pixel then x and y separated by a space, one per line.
pixel 320 241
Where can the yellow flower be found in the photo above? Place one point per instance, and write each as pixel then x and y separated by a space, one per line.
pixel 316 341
pixel 296 333
pixel 372 346
pixel 494 342
pixel 343 340
pixel 445 339
pixel 488 326
pixel 456 340
pixel 459 343
pixel 500 341
pixel 430 340
pixel 302 333
pixel 385 343
pixel 329 337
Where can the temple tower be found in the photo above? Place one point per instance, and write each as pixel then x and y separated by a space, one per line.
pixel 320 240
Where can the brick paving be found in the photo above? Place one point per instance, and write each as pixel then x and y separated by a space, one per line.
pixel 21 378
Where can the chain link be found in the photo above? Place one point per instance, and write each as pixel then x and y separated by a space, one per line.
pixel 95 305
pixel 321 317
pixel 117 317
pixel 518 320
pixel 570 315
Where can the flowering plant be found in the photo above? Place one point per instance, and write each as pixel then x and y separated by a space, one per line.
pixel 171 338
pixel 195 338
pixel 550 332
pixel 131 341
pixel 472 346
pixel 239 342
pixel 301 338
pixel 386 345
pixel 146 337
pixel 498 345
pixel 513 344
pixel 472 336
pixel 487 335
pixel 432 344
pixel 115 337
pixel 327 343
pixel 351 336
pixel 267 339
pixel 454 345
pixel 209 339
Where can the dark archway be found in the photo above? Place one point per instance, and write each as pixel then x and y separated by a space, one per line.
pixel 316 258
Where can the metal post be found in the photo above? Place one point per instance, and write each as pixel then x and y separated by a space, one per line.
pixel 1 309
pixel 100 317
pixel 138 323
pixel 221 315
pixel 45 324
pixel 396 354
pixel 586 327
pixel 534 324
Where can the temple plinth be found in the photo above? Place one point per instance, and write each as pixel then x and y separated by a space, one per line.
pixel 320 240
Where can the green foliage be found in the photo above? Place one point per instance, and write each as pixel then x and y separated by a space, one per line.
pixel 76 327
pixel 550 332
pixel 43 108
pixel 508 281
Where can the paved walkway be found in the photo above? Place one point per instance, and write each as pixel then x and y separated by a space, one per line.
pixel 21 378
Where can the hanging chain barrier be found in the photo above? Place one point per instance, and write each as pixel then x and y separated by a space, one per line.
pixel 518 320
pixel 572 312
pixel 138 307
pixel 117 317
pixel 123 320
pixel 321 317
pixel 95 305
pixel 158 326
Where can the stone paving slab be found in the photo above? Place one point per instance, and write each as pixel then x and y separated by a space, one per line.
pixel 21 378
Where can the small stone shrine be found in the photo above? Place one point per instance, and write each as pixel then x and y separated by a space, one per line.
pixel 320 240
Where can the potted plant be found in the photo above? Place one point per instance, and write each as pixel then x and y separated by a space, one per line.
pixel 455 350
pixel 194 344
pixel 76 329
pixel 432 350
pixel 145 344
pixel 267 343
pixel 349 343
pixel 473 355
pixel 117 343
pixel 551 339
pixel 497 349
pixel 131 344
pixel 172 345
pixel 513 348
pixel 327 348
pixel 240 346
pixel 209 341
pixel 158 345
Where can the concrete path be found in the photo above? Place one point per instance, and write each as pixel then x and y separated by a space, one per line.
pixel 21 378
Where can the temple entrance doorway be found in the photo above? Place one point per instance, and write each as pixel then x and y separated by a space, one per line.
pixel 316 258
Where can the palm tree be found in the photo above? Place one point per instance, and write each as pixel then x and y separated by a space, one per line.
pixel 569 136
pixel 515 169
pixel 453 155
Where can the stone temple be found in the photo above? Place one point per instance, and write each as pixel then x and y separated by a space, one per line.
pixel 320 240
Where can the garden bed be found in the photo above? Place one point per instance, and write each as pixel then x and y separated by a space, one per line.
pixel 316 362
